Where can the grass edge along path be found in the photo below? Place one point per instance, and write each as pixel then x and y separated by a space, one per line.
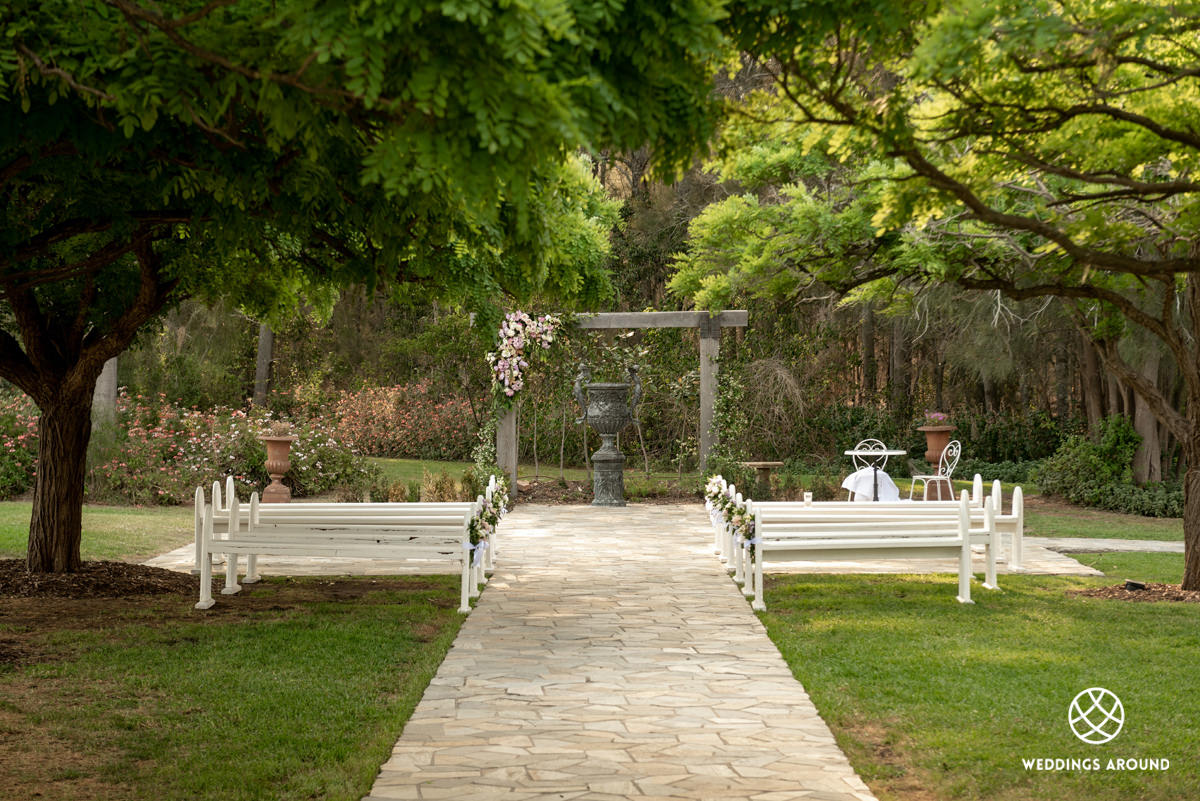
pixel 933 700
pixel 285 700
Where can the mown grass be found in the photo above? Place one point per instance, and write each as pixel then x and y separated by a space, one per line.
pixel 413 469
pixel 1068 521
pixel 928 696
pixel 268 705
pixel 123 533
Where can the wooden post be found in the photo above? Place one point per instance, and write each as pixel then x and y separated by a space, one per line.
pixel 710 351
pixel 506 448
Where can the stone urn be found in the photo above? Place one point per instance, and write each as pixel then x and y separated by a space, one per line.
pixel 937 437
pixel 278 462
pixel 608 408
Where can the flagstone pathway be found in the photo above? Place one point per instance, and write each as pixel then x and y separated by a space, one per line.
pixel 611 657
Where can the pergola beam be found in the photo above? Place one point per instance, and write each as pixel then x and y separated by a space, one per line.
pixel 675 319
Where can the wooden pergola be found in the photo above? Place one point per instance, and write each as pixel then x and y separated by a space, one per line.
pixel 709 326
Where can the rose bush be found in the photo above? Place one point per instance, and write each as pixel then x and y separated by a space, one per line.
pixel 412 421
pixel 161 452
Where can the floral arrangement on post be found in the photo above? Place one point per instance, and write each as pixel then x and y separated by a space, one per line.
pixel 484 524
pixel 508 361
pixel 936 418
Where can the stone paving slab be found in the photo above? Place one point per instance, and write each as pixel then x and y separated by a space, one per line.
pixel 611 657
pixel 1102 545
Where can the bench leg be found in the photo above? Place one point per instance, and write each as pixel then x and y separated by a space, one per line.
pixel 964 572
pixel 252 576
pixel 1016 551
pixel 992 546
pixel 748 571
pixel 757 603
pixel 231 583
pixel 206 597
pixel 464 599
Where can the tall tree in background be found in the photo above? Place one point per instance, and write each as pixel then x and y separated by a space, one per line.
pixel 1040 149
pixel 263 149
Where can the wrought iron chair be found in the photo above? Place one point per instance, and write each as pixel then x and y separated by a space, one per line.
pixel 946 464
pixel 863 461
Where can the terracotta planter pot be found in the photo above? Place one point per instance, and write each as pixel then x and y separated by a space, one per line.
pixel 936 440
pixel 278 462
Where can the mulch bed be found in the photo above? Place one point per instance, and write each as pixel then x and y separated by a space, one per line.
pixel 94 580
pixel 1153 592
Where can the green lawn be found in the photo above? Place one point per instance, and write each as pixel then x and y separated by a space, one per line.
pixel 414 469
pixel 934 700
pixel 123 533
pixel 1062 520
pixel 265 698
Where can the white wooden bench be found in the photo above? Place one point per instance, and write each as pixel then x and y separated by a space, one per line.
pixel 437 531
pixel 796 532
pixel 283 512
pixel 1010 526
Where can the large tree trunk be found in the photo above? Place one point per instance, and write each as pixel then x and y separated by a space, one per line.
pixel 262 367
pixel 56 527
pixel 868 353
pixel 1147 460
pixel 1191 513
pixel 1093 388
pixel 900 396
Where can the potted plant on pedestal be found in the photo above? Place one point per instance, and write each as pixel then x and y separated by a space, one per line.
pixel 278 439
pixel 937 430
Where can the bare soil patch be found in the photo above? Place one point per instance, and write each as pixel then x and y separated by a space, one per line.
pixel 1152 593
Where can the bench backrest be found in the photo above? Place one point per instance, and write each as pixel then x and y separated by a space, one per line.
pixel 787 522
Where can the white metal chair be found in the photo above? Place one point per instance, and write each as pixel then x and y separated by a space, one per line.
pixel 868 461
pixel 946 464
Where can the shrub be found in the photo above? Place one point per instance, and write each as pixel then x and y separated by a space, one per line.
pixel 1099 474
pixel 411 421
pixel 438 487
pixel 18 444
pixel 398 493
pixel 1009 472
pixel 162 452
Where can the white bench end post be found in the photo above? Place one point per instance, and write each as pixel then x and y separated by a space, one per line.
pixel 964 557
pixel 993 541
pixel 231 557
pixel 252 576
pixel 1017 546
pixel 464 599
pixel 206 531
pixel 199 524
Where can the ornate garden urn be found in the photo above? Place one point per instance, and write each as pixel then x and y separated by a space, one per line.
pixel 278 461
pixel 608 408
pixel 937 437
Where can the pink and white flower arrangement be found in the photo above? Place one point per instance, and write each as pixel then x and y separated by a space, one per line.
pixel 518 333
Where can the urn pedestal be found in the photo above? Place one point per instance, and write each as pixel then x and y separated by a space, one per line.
pixel 608 412
pixel 278 462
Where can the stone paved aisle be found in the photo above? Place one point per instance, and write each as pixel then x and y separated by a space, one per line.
pixel 611 657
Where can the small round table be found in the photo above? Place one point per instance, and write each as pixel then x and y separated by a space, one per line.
pixel 875 458
pixel 763 472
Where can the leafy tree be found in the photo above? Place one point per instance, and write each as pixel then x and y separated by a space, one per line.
pixel 1042 149
pixel 264 149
